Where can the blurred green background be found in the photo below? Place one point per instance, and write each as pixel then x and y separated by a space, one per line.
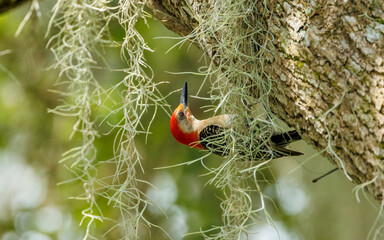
pixel 34 206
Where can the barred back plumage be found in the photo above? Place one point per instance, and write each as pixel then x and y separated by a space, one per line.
pixel 213 139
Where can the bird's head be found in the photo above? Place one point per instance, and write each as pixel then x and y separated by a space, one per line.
pixel 182 122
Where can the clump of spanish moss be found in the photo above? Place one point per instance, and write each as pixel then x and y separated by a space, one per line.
pixel 239 45
pixel 80 32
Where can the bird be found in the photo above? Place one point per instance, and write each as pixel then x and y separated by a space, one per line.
pixel 210 134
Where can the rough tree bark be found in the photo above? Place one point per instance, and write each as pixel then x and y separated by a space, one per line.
pixel 329 75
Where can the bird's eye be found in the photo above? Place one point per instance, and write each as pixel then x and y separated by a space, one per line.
pixel 181 115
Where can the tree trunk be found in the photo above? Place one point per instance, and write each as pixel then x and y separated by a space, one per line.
pixel 327 72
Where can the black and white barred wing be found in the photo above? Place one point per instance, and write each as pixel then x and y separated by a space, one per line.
pixel 212 138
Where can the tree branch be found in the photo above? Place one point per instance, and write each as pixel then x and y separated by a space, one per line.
pixel 328 71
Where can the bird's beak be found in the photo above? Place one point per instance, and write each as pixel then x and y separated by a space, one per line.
pixel 184 96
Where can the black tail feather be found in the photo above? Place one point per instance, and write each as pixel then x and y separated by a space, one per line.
pixel 282 139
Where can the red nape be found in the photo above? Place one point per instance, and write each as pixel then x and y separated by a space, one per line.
pixel 191 139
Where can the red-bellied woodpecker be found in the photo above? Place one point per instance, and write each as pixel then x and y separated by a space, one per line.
pixel 206 134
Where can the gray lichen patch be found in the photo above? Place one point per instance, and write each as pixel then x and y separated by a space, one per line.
pixel 372 35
